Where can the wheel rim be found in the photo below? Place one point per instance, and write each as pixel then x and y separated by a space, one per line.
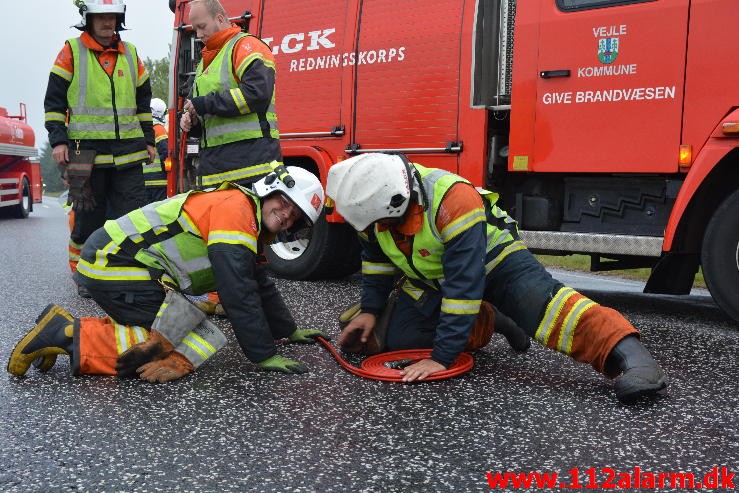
pixel 290 250
pixel 26 200
pixel 736 257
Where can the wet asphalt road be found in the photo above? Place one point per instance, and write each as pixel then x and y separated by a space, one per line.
pixel 230 427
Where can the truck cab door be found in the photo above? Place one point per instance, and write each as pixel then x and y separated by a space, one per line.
pixel 609 88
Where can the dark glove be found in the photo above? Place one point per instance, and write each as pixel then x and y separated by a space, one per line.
pixel 282 364
pixel 84 200
pixel 80 191
pixel 305 336
pixel 156 346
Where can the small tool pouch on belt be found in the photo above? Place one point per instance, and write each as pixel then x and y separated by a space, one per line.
pixel 78 173
pixel 376 343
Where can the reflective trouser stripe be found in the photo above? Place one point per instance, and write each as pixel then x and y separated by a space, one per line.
pixel 128 335
pixel 73 252
pixel 567 332
pixel 562 315
pixel 552 313
pixel 100 341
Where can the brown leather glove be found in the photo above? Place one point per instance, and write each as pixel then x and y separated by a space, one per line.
pixel 155 346
pixel 171 367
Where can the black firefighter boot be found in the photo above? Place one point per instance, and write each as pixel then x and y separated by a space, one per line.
pixel 51 336
pixel 515 335
pixel 640 373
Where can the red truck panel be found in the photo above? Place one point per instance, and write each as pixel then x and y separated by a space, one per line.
pixel 626 70
pixel 411 100
pixel 311 54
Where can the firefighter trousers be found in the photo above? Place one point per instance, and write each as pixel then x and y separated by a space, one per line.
pixel 553 314
pixel 99 341
pixel 117 192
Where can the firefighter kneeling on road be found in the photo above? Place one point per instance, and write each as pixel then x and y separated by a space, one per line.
pixel 457 248
pixel 194 243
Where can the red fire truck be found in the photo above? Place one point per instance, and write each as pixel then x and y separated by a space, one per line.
pixel 20 171
pixel 609 127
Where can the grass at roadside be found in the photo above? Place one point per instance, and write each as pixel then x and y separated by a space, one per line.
pixel 582 263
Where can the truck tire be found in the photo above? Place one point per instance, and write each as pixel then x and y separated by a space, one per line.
pixel 24 207
pixel 720 256
pixel 328 251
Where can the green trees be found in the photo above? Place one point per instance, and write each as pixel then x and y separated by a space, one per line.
pixel 49 172
pixel 159 76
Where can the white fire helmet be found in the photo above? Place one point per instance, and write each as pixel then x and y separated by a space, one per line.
pixel 158 109
pixel 370 187
pixel 307 193
pixel 87 7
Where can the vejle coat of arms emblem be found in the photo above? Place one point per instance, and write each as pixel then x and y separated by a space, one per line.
pixel 607 49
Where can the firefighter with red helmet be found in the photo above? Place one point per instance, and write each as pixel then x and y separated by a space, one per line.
pixel 456 248
pixel 99 121
pixel 138 268
pixel 232 101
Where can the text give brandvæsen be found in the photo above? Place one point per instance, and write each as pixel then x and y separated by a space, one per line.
pixel 610 95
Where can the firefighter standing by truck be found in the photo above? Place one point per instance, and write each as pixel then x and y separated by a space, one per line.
pixel 231 107
pixel 155 174
pixel 137 266
pixel 232 103
pixel 99 81
pixel 457 248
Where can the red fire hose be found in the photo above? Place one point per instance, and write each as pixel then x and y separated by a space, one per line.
pixel 373 367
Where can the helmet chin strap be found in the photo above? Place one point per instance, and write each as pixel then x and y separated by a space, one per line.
pixel 414 181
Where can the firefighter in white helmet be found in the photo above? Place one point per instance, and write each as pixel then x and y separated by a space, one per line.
pixel 92 7
pixel 155 174
pixel 191 243
pixel 99 121
pixel 457 248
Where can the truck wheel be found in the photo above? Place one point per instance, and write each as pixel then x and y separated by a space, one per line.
pixel 720 256
pixel 327 251
pixel 21 210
